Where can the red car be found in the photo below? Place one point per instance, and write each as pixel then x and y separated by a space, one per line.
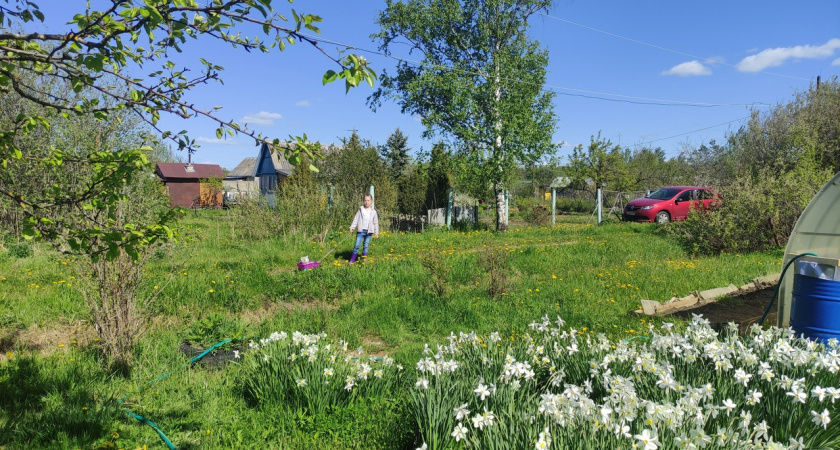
pixel 670 203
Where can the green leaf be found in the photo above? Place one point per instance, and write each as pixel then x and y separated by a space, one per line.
pixel 30 233
pixel 329 77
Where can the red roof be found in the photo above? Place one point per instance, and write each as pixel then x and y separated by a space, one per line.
pixel 183 170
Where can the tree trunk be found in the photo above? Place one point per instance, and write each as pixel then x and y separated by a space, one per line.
pixel 501 219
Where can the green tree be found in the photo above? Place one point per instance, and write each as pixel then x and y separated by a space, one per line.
pixel 602 164
pixel 480 80
pixel 709 164
pixel 89 73
pixel 439 176
pixel 767 172
pixel 395 152
pixel 97 55
pixel 351 171
pixel 805 129
pixel 412 190
pixel 649 168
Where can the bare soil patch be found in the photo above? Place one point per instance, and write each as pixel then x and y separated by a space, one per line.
pixel 744 308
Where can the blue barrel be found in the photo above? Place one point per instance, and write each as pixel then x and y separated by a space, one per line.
pixel 815 308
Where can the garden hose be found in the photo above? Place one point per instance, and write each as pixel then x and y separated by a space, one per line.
pixel 152 424
pixel 779 284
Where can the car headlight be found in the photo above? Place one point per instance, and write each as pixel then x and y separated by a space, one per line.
pixel 646 207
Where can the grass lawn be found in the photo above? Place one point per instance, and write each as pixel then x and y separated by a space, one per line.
pixel 414 289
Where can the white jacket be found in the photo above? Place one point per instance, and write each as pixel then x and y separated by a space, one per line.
pixel 373 226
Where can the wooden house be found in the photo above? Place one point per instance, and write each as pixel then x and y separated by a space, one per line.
pixel 242 181
pixel 263 174
pixel 184 186
pixel 271 169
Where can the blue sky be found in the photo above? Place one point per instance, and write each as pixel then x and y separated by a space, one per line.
pixel 666 74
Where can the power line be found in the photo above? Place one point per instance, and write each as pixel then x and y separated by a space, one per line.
pixel 659 47
pixel 696 131
pixel 647 101
pixel 594 95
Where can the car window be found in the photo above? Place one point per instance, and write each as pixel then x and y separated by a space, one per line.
pixel 663 194
pixel 706 194
pixel 684 196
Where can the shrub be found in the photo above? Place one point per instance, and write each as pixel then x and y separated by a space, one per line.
pixel 438 274
pixel 412 192
pixel 534 211
pixel 495 263
pixel 573 204
pixel 20 250
pixel 212 329
pixel 756 214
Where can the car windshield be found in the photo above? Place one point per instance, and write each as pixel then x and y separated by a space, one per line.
pixel 664 194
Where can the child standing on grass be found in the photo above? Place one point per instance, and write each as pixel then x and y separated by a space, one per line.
pixel 366 222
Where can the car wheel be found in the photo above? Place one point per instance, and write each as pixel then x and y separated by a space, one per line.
pixel 663 217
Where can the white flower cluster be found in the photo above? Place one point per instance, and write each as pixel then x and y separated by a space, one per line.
pixel 692 389
pixel 310 362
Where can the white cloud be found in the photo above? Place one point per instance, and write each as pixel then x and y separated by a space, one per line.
pixel 303 103
pixel 773 57
pixel 261 118
pixel 836 62
pixel 214 141
pixel 688 69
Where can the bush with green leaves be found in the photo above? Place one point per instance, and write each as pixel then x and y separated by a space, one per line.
pixel 496 264
pixel 20 250
pixel 412 191
pixel 212 329
pixel 351 171
pixel 567 205
pixel 757 213
pixel 534 211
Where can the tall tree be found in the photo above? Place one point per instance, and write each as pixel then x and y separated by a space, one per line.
pixel 602 164
pixel 351 171
pixel 90 72
pixel 480 80
pixel 97 54
pixel 396 155
pixel 440 177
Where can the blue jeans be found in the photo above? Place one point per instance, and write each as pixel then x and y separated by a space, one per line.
pixel 360 236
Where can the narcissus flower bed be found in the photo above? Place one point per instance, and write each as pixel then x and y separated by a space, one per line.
pixel 558 387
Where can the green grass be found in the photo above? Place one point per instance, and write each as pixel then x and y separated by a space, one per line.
pixel 213 286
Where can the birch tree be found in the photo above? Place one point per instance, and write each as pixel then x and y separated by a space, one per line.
pixel 479 81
